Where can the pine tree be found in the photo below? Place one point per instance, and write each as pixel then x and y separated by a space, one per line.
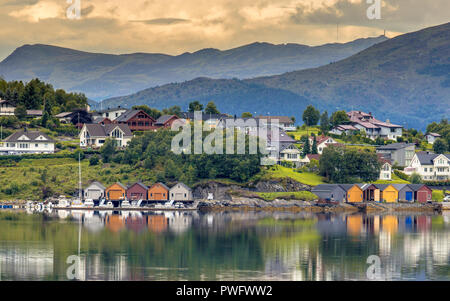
pixel 306 148
pixel 314 146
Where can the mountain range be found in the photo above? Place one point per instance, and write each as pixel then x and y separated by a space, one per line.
pixel 405 79
pixel 100 76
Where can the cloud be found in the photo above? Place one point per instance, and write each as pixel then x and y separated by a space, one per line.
pixel 177 26
pixel 162 21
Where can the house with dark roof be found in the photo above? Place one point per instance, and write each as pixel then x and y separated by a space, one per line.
pixel 348 129
pixel 284 122
pixel 27 142
pixel 287 152
pixel 431 137
pixel 95 191
pixel 209 119
pixel 430 166
pixel 386 168
pixel 373 127
pixel 137 120
pixel 137 191
pixel 330 192
pixel 6 108
pixel 112 113
pixel 165 121
pixel 95 135
pixel 397 153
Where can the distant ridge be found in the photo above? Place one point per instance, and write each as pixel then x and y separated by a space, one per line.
pixel 101 75
pixel 405 79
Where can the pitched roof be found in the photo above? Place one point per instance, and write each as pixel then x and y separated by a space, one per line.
pixel 282 137
pixel 98 184
pixel 281 119
pixel 321 139
pixel 426 158
pixel 5 101
pixel 100 130
pixel 183 185
pixel 433 134
pixel 163 119
pixel 346 187
pixel 63 114
pixel 205 116
pixel 98 119
pixel 120 184
pixel 32 136
pixel 383 159
pixel 395 146
pixel 382 186
pixel 313 156
pixel 140 184
pixel 400 186
pixel 112 110
pixel 346 127
pixel 130 114
pixel 162 184
pixel 366 186
pixel 416 187
pixel 34 112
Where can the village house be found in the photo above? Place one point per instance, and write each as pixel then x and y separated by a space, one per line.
pixel 431 137
pixel 386 168
pixel 137 120
pixel 353 193
pixel 307 159
pixel 430 166
pixel 209 119
pixel 285 123
pixel 95 135
pixel 34 114
pixel 95 191
pixel 64 117
pixel 165 121
pixel 101 120
pixel 6 108
pixel 114 113
pixel 422 193
pixel 373 128
pixel 399 154
pixel 27 142
pixel 288 152
pixel 181 192
pixel 389 193
pixel 322 142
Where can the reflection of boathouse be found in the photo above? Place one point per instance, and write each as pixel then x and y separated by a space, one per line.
pixel 157 223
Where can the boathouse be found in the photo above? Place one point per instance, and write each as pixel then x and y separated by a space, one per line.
pixel 389 193
pixel 421 193
pixel 405 193
pixel 370 192
pixel 116 192
pixel 354 193
pixel 137 191
pixel 94 191
pixel 181 192
pixel 329 192
pixel 158 192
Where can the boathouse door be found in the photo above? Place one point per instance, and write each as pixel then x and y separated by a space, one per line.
pixel 409 196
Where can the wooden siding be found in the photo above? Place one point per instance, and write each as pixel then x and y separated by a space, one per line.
pixel 355 195
pixel 390 194
pixel 158 193
pixel 115 192
pixel 137 192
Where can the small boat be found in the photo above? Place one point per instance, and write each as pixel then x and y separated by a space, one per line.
pixel 89 203
pixel 136 204
pixel 63 203
pixel 77 204
pixel 125 204
pixel 179 205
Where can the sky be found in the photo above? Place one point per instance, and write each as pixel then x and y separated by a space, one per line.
pixel 178 26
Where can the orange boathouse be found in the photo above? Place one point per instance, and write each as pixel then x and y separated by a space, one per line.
pixel 116 192
pixel 158 192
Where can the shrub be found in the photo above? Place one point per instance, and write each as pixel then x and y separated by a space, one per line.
pixel 94 160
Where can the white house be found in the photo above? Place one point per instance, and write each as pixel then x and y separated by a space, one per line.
pixel 25 142
pixel 114 113
pixel 348 129
pixel 372 127
pixel 6 108
pixel 431 137
pixel 386 168
pixel 308 158
pixel 95 135
pixel 287 152
pixel 322 142
pixel 431 167
pixel 285 123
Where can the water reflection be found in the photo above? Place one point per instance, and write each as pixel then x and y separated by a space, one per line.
pixel 223 246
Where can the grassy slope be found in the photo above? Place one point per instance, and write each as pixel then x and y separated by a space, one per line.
pixel 280 172
pixel 395 180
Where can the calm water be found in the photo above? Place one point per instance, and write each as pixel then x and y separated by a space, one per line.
pixel 222 246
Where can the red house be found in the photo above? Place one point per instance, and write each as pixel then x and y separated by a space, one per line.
pixel 137 191
pixel 422 193
pixel 165 121
pixel 137 120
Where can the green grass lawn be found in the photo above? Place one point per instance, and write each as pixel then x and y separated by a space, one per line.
pixel 296 195
pixel 280 172
pixel 395 180
pixel 438 195
pixel 299 133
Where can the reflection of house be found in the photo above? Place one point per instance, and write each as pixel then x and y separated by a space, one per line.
pixel 116 192
pixel 179 222
pixel 115 223
pixel 157 223
pixel 95 135
pixel 354 224
pixel 181 192
pixel 389 223
pixel 25 142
